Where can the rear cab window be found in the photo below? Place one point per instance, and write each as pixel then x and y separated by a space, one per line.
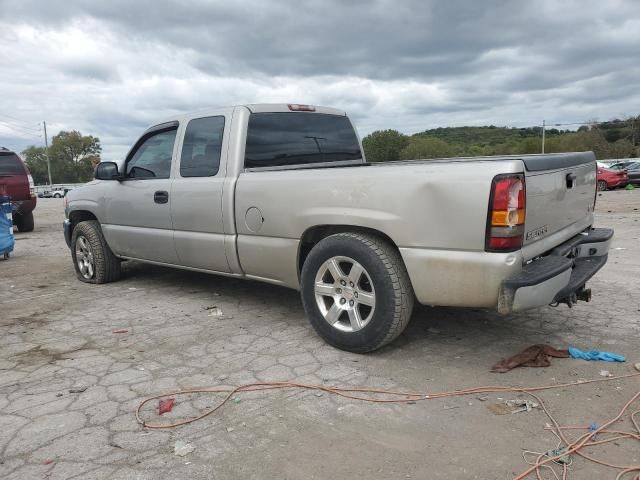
pixel 202 146
pixel 10 164
pixel 283 139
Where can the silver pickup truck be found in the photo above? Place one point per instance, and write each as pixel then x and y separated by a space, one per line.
pixel 283 194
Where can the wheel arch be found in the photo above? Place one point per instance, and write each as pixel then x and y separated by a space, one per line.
pixel 315 234
pixel 77 216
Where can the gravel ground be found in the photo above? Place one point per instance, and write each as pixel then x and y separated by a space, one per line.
pixel 69 385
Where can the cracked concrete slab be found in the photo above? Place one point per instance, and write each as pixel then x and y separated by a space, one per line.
pixel 57 335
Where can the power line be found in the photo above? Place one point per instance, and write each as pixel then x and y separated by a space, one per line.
pixel 26 123
pixel 20 130
pixel 545 125
pixel 588 123
pixel 572 123
pixel 17 126
pixel 17 131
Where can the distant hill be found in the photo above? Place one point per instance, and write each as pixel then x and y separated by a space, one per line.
pixel 611 139
pixel 491 135
pixel 487 136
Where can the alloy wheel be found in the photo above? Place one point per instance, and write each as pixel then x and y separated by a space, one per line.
pixel 344 294
pixel 84 257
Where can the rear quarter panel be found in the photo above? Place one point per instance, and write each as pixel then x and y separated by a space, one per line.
pixel 439 205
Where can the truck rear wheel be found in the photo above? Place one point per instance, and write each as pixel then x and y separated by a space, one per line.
pixel 24 222
pixel 93 260
pixel 356 291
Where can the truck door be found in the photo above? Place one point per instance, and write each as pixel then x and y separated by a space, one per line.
pixel 196 194
pixel 137 208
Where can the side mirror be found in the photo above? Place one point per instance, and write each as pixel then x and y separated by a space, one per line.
pixel 107 171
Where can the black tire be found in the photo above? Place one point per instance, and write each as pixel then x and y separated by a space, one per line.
pixel 24 222
pixel 57 196
pixel 602 186
pixel 394 296
pixel 106 266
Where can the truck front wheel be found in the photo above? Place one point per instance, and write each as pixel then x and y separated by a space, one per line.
pixel 93 260
pixel 356 291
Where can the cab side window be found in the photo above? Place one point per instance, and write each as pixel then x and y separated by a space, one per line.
pixel 152 158
pixel 201 148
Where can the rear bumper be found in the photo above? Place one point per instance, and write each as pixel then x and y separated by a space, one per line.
pixel 559 276
pixel 22 207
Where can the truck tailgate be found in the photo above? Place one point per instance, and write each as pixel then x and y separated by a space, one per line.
pixel 560 193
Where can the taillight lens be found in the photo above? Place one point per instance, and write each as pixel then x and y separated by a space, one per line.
pixel 505 222
pixel 32 186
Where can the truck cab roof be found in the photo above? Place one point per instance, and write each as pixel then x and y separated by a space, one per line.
pixel 253 108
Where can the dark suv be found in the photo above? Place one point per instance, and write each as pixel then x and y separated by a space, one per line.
pixel 16 181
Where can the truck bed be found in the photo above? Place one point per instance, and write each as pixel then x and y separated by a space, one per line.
pixel 432 209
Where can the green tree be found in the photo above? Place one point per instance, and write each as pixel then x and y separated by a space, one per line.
pixel 426 147
pixel 530 145
pixel 36 160
pixel 581 141
pixel 72 156
pixel 634 133
pixel 622 148
pixel 384 145
pixel 73 146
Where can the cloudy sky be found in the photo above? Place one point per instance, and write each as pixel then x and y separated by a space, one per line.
pixel 109 68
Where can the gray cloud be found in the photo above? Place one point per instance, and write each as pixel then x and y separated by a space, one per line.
pixel 109 68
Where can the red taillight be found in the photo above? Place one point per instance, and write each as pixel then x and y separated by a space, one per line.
pixel 32 188
pixel 505 221
pixel 294 107
pixel 505 243
pixel 508 192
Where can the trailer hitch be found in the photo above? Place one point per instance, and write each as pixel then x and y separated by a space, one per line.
pixel 583 295
pixel 580 295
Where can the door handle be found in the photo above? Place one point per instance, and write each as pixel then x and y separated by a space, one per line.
pixel 571 178
pixel 161 196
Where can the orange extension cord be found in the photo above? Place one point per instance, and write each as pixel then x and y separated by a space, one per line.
pixel 373 395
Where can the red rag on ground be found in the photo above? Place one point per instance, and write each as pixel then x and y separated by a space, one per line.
pixel 534 356
pixel 165 406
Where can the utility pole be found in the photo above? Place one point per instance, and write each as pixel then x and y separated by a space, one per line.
pixel 543 128
pixel 46 143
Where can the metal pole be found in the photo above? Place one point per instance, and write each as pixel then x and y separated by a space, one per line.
pixel 543 129
pixel 46 143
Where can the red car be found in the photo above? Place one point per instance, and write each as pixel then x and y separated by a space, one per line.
pixel 608 179
pixel 16 181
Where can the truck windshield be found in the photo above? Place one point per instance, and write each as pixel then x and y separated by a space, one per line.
pixel 10 164
pixel 275 139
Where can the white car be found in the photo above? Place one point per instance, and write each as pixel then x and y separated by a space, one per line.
pixel 59 193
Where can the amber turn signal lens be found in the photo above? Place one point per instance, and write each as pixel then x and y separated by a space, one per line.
pixel 507 218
